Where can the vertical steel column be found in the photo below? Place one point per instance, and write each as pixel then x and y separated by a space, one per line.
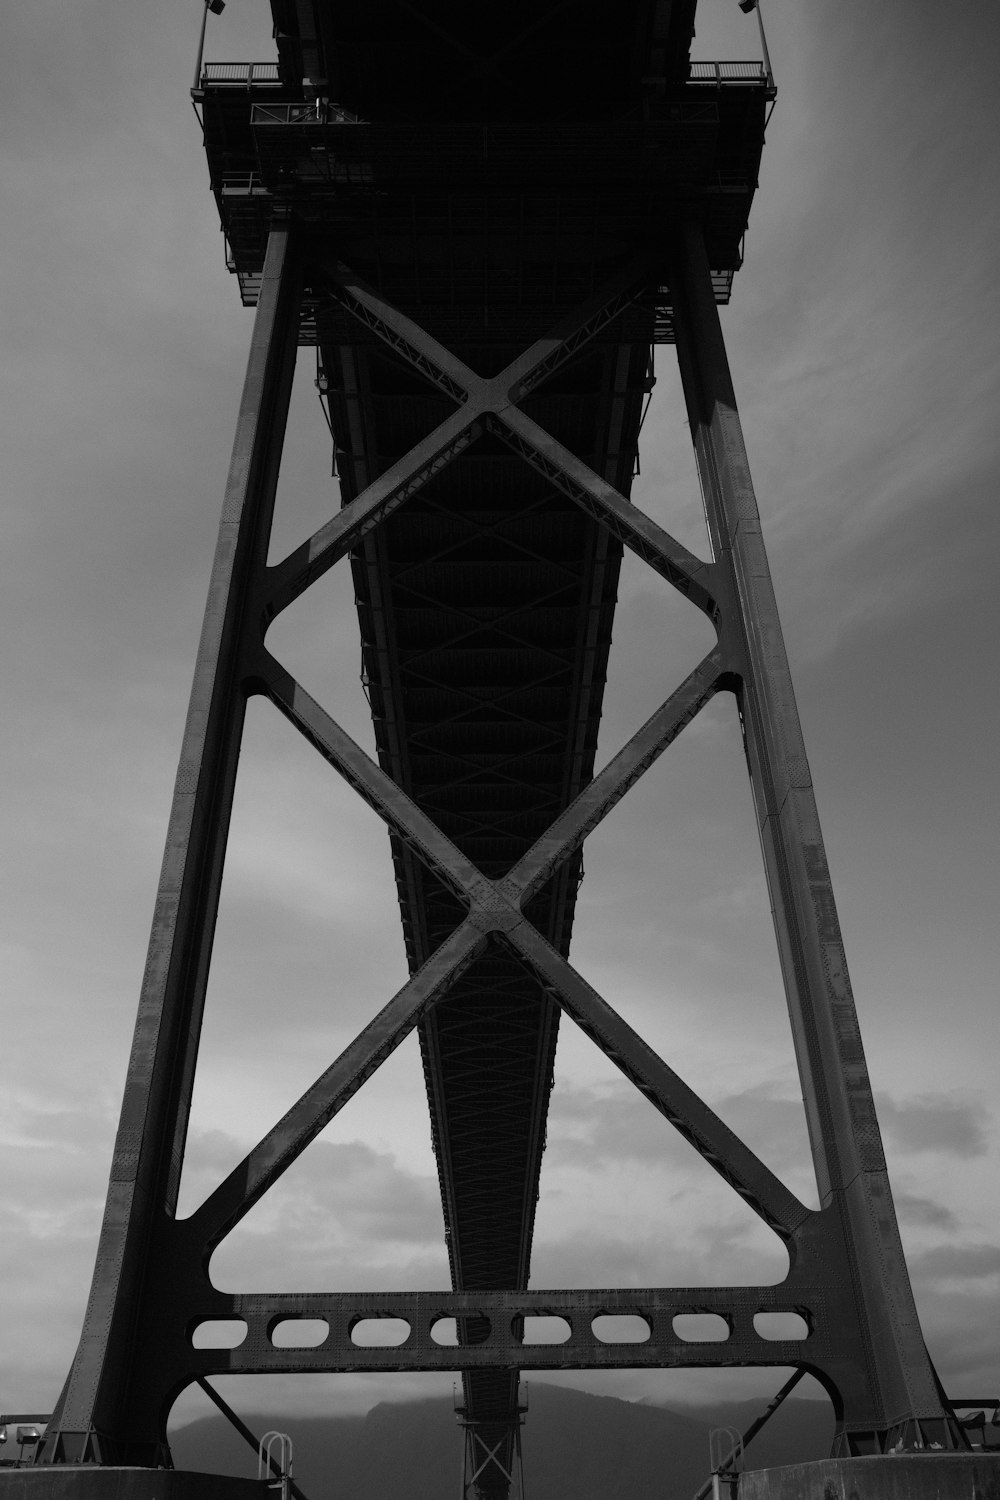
pixel 101 1415
pixel 844 1135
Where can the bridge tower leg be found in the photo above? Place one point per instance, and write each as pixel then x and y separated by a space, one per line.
pixel 111 1407
pixel 840 1111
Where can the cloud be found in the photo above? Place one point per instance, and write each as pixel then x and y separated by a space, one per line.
pixel 607 1123
pixel 614 1123
pixel 50 1215
pixel 940 1123
pixel 645 1253
pixel 343 1217
pixel 624 1200
pixel 923 1212
pixel 773 1123
pixel 957 1263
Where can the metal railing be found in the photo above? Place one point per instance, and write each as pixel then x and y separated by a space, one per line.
pixel 247 74
pixel 322 112
pixel 728 72
pixel 238 74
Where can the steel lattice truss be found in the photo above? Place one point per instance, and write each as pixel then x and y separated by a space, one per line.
pixel 487 938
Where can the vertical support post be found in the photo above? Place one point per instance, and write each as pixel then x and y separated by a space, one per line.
pixel 105 1413
pixel 844 1134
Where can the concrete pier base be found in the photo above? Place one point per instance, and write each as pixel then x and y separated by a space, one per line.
pixel 92 1482
pixel 894 1476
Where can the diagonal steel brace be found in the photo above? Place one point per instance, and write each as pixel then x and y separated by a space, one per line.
pixel 487 402
pixel 495 907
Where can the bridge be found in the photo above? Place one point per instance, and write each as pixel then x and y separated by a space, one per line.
pixel 483 221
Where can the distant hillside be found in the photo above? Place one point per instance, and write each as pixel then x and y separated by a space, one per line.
pixel 576 1447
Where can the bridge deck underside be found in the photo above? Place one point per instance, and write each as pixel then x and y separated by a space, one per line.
pixel 486 607
pixel 447 59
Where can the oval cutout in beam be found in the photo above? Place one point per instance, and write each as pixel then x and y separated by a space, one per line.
pixel 219 1333
pixel 299 1333
pixel 546 1329
pixel 380 1333
pixel 780 1325
pixel 621 1328
pixel 701 1328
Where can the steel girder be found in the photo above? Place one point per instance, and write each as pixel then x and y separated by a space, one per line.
pixel 847 1276
pixel 485 608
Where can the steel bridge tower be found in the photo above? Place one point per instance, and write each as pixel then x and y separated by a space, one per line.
pixel 484 219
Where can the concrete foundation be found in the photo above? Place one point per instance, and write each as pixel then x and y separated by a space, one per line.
pixel 902 1476
pixel 90 1482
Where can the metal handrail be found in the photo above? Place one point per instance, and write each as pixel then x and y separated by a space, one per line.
pixel 244 74
pixel 283 1466
pixel 321 112
pixel 727 72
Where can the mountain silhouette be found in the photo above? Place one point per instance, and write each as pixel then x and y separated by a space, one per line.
pixel 576 1447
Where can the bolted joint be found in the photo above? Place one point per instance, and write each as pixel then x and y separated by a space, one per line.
pixel 491 911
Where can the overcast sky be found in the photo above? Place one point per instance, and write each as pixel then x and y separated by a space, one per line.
pixel 864 340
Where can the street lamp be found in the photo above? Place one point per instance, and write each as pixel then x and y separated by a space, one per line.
pixel 746 6
pixel 216 7
pixel 27 1437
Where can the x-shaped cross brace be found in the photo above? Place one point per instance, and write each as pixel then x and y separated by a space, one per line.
pixel 492 1458
pixel 495 909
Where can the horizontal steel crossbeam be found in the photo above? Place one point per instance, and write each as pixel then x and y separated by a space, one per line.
pixel 501 1337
